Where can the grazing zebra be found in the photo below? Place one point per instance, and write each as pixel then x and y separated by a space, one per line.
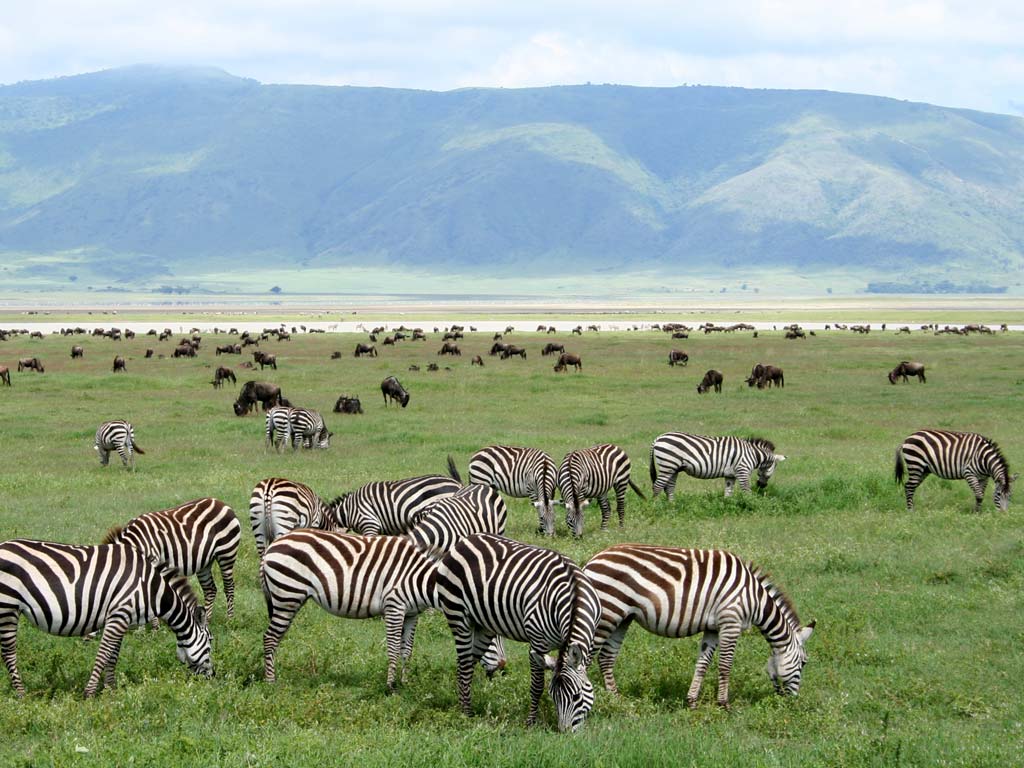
pixel 77 590
pixel 679 592
pixel 278 505
pixel 278 426
pixel 734 458
pixel 592 472
pixel 390 506
pixel 519 472
pixel 307 427
pixel 117 436
pixel 473 509
pixel 954 456
pixel 489 586
pixel 189 538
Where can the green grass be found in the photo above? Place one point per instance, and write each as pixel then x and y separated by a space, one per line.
pixel 917 658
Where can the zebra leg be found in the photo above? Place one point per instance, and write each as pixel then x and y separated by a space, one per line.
pixel 728 633
pixel 109 680
pixel 913 480
pixel 408 636
pixel 104 456
pixel 110 646
pixel 620 504
pixel 606 511
pixel 227 575
pixel 209 587
pixel 978 485
pixel 8 648
pixel 281 617
pixel 537 669
pixel 729 482
pixel 708 646
pixel 670 486
pixel 609 653
pixel 394 630
pixel 743 479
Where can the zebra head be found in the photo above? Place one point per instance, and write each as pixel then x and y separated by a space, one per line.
pixel 323 438
pixel 195 643
pixel 1001 497
pixel 571 689
pixel 546 513
pixel 574 507
pixel 340 512
pixel 767 468
pixel 786 665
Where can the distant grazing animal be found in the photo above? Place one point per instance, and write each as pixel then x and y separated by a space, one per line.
pixel 117 435
pixel 392 389
pixel 678 357
pixel 954 456
pixel 254 392
pixel 905 369
pixel 149 354
pixel 221 375
pixel 184 350
pixel 450 349
pixel 452 336
pixel 36 335
pixel 365 349
pixel 5 375
pixel 77 351
pixel 414 367
pixel 189 539
pixel 278 426
pixel 513 351
pixel 551 347
pixel 348 404
pixel 903 329
pixel 389 341
pixel 565 360
pixel 765 376
pixel 679 592
pixel 307 428
pixel 734 458
pixel 552 329
pixel 496 337
pixel 335 355
pixel 119 364
pixel 795 334
pixel 30 364
pixel 278 505
pixel 518 472
pixel 497 348
pixel 680 335
pixel 79 590
pixel 711 379
pixel 265 359
pixel 477 360
pixel 391 507
pixel 578 330
pixel 433 367
pixel 590 473
pixel 229 349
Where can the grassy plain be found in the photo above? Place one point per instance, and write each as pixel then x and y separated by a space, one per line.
pixel 917 659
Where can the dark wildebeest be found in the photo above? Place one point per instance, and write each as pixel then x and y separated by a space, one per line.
pixel 477 360
pixel 149 353
pixel 30 364
pixel 680 335
pixel 347 404
pixel 365 349
pixel 264 359
pixel 5 375
pixel 390 388
pixel 254 392
pixel 185 350
pixel 36 335
pixel 335 355
pixel 221 375
pixel 496 337
pixel 711 379
pixel 419 335
pixel 414 367
pixel 389 341
pixel 755 375
pixel 77 351
pixel 229 349
pixel 399 336
pixel 452 336
pixel 550 348
pixel 513 351
pixel 905 369
pixel 450 349
pixel 565 359
pixel 765 376
pixel 795 333
pixel 119 364
pixel 677 356
pixel 578 330
pixel 498 348
pixel 433 367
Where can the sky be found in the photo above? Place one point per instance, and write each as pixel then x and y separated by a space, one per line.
pixel 955 53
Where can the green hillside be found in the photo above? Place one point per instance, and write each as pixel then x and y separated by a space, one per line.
pixel 147 176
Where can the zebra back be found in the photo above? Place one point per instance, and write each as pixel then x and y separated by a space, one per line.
pixel 391 506
pixel 307 426
pixel 278 425
pixel 519 472
pixel 278 505
pixel 473 509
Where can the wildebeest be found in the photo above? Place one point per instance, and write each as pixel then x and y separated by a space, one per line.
pixel 365 349
pixel 254 392
pixel 229 349
pixel 36 335
pixel 551 347
pixel 390 388
pixel 433 367
pixel 77 351
pixel 450 349
pixel 565 360
pixel 335 355
pixel 677 356
pixel 221 375
pixel 795 334
pixel 414 367
pixel 119 364
pixel 578 330
pixel 184 350
pixel 711 379
pixel 5 375
pixel 905 369
pixel 498 348
pixel 680 335
pixel 149 353
pixel 766 375
pixel 264 359
pixel 477 360
pixel 452 336
pixel 348 404
pixel 389 341
pixel 30 364
pixel 513 351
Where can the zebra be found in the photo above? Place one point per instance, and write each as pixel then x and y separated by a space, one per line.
pixel 592 472
pixel 489 586
pixel 278 426
pixel 77 590
pixel 519 472
pixel 277 505
pixel 679 592
pixel 954 456
pixel 390 506
pixel 473 509
pixel 307 426
pixel 189 538
pixel 117 435
pixel 734 458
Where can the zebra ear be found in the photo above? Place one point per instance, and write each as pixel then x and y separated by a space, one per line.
pixel 574 656
pixel 805 632
pixel 200 614
pixel 779 457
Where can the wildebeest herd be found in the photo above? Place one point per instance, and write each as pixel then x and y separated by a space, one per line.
pixel 396 548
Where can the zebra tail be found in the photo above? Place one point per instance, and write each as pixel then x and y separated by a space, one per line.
pixel 899 465
pixel 636 489
pixel 653 469
pixel 136 448
pixel 454 470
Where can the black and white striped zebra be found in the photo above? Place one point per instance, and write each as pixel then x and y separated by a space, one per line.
pixel 279 426
pixel 734 458
pixel 117 435
pixel 490 586
pixel 954 456
pixel 390 506
pixel 78 590
pixel 473 509
pixel 680 592
pixel 306 427
pixel 189 539
pixel 278 505
pixel 519 473
pixel 593 472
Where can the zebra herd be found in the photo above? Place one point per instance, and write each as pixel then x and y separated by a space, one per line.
pixel 398 548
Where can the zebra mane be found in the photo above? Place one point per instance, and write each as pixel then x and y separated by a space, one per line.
pixel 1000 457
pixel 180 584
pixel 775 592
pixel 762 442
pixel 113 535
pixel 574 579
